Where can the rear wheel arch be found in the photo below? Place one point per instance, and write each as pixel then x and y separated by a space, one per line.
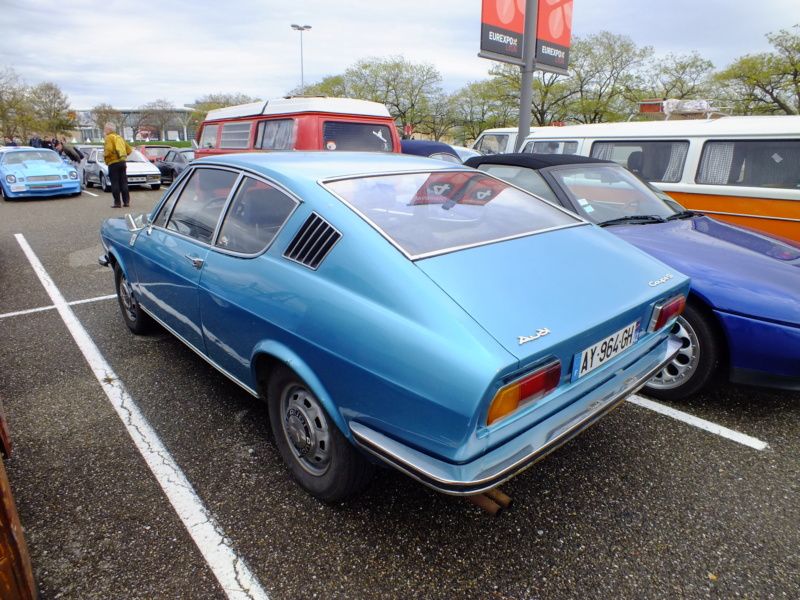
pixel 271 356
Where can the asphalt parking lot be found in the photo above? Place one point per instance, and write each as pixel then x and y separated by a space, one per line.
pixel 641 505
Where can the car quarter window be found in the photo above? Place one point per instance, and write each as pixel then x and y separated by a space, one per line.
pixel 198 205
pixel 255 216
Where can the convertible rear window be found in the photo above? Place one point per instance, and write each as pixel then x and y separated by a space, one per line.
pixel 430 213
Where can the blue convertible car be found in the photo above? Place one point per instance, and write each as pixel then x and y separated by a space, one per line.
pixel 396 310
pixel 742 318
pixel 35 172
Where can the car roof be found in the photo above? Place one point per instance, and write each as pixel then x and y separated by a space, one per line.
pixel 532 161
pixel 324 164
pixel 425 147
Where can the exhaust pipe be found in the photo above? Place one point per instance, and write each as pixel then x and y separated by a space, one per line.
pixel 492 501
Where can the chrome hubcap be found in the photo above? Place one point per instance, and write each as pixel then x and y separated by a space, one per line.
pixel 684 364
pixel 306 430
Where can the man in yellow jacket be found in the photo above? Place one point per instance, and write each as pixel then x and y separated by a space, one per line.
pixel 115 151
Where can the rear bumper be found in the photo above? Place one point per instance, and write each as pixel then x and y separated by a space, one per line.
pixel 509 459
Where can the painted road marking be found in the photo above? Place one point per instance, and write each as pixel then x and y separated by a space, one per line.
pixel 230 570
pixel 730 434
pixel 43 308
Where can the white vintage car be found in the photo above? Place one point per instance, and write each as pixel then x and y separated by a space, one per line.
pixel 140 170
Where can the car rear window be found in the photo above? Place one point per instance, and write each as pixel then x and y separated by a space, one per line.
pixel 348 135
pixel 430 213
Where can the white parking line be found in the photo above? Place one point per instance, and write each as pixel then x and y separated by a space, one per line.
pixel 43 308
pixel 230 570
pixel 730 434
pixel 91 193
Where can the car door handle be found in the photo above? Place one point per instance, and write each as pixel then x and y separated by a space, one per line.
pixel 196 261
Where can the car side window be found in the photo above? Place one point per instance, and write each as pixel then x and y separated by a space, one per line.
pixel 199 204
pixel 257 213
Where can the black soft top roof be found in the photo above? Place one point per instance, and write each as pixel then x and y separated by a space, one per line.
pixel 532 161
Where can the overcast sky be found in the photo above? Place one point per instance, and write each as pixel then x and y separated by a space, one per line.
pixel 129 53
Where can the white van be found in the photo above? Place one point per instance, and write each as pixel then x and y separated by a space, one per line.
pixel 500 140
pixel 745 170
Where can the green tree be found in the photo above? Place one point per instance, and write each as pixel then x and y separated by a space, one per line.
pixel 333 86
pixel 105 113
pixel 605 72
pixel 13 104
pixel 51 109
pixel 159 114
pixel 480 105
pixel 680 76
pixel 406 88
pixel 767 83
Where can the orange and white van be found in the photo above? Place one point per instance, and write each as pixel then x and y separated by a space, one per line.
pixel 745 170
pixel 298 123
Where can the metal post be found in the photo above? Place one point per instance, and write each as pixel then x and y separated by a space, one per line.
pixel 301 29
pixel 528 56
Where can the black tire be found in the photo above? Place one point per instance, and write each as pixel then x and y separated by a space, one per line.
pixel 319 456
pixel 697 362
pixel 86 181
pixel 138 321
pixel 104 185
pixel 155 187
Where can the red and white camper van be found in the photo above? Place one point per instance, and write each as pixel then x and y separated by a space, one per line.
pixel 299 123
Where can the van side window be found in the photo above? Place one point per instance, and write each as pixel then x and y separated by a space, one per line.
pixel 652 161
pixel 347 135
pixel 552 147
pixel 276 134
pixel 493 144
pixel 208 139
pixel 257 213
pixel 235 135
pixel 763 163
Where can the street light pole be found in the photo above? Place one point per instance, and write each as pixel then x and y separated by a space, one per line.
pixel 301 29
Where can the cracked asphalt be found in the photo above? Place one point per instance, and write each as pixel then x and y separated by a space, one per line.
pixel 639 506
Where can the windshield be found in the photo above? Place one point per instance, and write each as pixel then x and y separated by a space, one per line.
pixel 430 213
pixel 17 158
pixel 604 193
pixel 136 156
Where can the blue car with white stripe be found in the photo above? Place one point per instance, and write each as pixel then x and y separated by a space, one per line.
pixel 34 173
pixel 396 310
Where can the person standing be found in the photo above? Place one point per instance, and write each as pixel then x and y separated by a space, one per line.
pixel 115 151
pixel 9 141
pixel 35 140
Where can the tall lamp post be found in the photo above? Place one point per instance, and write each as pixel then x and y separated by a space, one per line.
pixel 301 29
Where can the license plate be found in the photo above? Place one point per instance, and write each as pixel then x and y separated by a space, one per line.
pixel 137 179
pixel 604 350
pixel 17 187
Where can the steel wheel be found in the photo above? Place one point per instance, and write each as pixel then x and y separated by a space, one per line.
pixel 320 458
pixel 104 184
pixel 136 319
pixel 306 429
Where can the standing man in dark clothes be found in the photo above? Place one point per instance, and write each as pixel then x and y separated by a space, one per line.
pixel 35 141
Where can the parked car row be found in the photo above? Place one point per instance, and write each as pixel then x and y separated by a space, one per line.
pixel 742 318
pixel 140 170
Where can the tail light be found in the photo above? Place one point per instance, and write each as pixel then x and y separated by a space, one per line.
pixel 528 389
pixel 665 311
